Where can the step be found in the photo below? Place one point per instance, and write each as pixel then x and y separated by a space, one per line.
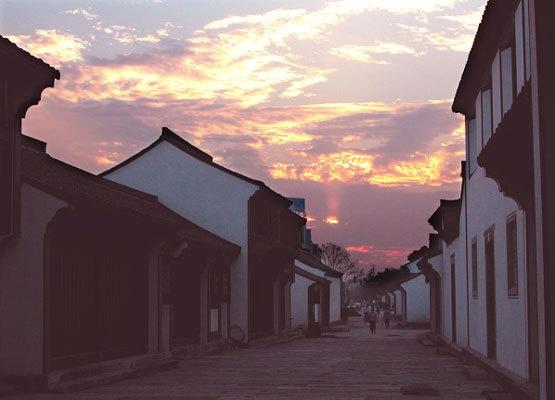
pixel 106 377
pixel 419 389
pixel 498 395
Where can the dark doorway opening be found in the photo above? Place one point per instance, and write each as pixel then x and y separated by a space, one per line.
pixel 490 294
pixel 453 301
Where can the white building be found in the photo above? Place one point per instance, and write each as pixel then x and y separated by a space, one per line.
pixel 485 273
pixel 417 295
pixel 309 299
pixel 333 296
pixel 240 209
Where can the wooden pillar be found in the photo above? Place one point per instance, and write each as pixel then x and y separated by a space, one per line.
pixel 404 315
pixel 542 14
pixel 287 295
pixel 277 298
pixel 154 310
pixel 224 319
pixel 204 317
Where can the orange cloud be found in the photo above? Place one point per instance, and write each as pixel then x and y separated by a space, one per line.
pixel 420 169
pixel 331 220
pixel 54 46
pixel 363 249
pixel 367 255
pixel 339 167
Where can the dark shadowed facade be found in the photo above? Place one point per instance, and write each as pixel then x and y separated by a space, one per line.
pixel 87 269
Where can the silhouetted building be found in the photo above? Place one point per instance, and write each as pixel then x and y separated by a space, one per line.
pixel 85 263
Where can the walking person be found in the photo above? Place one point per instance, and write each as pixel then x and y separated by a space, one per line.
pixel 372 319
pixel 365 313
pixel 386 318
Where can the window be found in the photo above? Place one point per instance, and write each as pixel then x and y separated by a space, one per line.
pixel 472 162
pixel 486 116
pixel 506 79
pixel 527 56
pixel 519 47
pixel 478 109
pixel 512 257
pixel 496 90
pixel 474 255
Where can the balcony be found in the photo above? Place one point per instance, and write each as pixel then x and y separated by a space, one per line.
pixel 507 158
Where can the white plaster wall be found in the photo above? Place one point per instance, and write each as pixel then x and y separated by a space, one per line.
pixel 488 207
pixel 413 266
pixel 335 299
pixel 207 196
pixel 437 263
pixel 308 268
pixel 299 301
pixel 446 291
pixel 398 302
pixel 462 277
pixel 21 286
pixel 335 289
pixel 418 299
pixel 458 248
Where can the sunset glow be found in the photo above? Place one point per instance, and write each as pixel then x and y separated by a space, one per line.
pixel 331 220
pixel 314 99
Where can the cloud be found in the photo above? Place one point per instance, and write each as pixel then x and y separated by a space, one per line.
pixel 368 255
pixel 249 60
pixel 457 37
pixel 383 145
pixel 331 220
pixel 469 21
pixel 54 46
pixel 367 53
pixel 82 12
pixel 363 249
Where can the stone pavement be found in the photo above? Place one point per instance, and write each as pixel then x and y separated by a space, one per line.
pixel 343 365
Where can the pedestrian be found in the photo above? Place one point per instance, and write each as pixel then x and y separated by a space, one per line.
pixel 366 316
pixel 372 319
pixel 386 318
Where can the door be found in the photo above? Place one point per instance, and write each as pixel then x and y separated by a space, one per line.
pixel 313 303
pixel 281 305
pixel 185 300
pixel 490 294
pixel 96 293
pixel 453 301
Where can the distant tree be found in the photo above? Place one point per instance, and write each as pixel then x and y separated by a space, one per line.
pixel 387 274
pixel 337 258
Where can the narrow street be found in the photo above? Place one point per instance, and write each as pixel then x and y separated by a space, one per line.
pixel 342 365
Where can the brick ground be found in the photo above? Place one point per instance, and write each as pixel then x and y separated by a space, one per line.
pixel 350 365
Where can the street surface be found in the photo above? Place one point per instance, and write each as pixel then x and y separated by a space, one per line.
pixel 343 365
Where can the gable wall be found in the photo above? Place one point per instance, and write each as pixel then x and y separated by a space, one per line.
pixel 205 195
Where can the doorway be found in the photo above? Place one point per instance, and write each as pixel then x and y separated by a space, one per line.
pixel 453 301
pixel 491 314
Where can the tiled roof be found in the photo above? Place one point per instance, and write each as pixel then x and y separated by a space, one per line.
pixel 75 185
pixel 312 277
pixel 171 137
pixel 313 262
pixel 8 46
pixel 496 14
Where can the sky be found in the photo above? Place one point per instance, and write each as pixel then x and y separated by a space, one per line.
pixel 346 103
